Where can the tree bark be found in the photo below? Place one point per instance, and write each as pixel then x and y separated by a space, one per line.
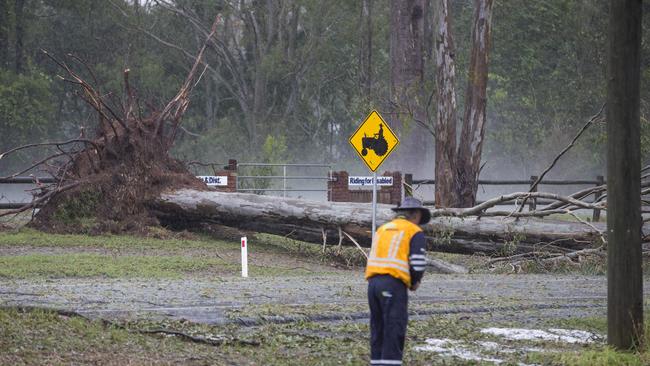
pixel 365 49
pixel 428 29
pixel 624 274
pixel 308 220
pixel 473 130
pixel 446 193
pixel 406 81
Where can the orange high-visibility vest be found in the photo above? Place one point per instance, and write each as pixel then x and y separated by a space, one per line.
pixel 390 250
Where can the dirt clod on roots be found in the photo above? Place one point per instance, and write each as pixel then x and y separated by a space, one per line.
pixel 115 198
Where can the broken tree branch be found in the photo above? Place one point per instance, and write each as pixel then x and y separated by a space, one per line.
pixel 591 121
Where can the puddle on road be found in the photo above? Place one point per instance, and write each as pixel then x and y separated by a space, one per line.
pixel 489 351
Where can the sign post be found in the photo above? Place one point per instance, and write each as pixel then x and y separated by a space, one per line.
pixel 374 205
pixel 374 141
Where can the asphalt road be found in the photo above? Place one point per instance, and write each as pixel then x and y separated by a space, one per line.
pixel 522 298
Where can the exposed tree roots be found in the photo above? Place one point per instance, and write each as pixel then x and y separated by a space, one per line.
pixel 111 177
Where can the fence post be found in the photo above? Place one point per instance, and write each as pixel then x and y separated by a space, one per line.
pixel 600 180
pixel 408 185
pixel 395 191
pixel 338 187
pixel 532 203
pixel 232 166
pixel 284 181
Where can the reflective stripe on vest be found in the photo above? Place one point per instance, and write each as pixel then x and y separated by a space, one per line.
pixel 390 250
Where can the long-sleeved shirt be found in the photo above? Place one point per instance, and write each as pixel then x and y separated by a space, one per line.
pixel 417 258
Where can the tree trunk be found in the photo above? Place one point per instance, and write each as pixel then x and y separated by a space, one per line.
pixel 308 220
pixel 428 31
pixel 406 78
pixel 365 49
pixel 446 194
pixel 473 130
pixel 624 274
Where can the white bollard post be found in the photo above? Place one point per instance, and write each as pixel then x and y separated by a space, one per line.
pixel 244 257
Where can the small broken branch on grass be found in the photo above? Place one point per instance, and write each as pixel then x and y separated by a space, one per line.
pixel 197 339
pixel 516 261
pixel 324 233
pixel 591 226
pixel 107 323
pixel 355 243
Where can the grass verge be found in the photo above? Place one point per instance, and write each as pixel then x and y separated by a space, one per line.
pixel 595 354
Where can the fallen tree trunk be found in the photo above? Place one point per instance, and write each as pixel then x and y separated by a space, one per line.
pixel 440 266
pixel 314 221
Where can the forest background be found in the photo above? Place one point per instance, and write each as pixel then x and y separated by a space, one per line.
pixel 291 80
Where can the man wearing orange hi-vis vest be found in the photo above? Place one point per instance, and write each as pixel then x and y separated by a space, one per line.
pixel 396 263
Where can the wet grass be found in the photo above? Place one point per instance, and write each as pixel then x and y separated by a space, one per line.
pixel 95 265
pixel 141 266
pixel 597 354
pixel 45 338
pixel 35 254
pixel 34 238
pixel 347 256
pixel 584 216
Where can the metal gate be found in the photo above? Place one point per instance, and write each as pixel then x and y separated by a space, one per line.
pixel 284 179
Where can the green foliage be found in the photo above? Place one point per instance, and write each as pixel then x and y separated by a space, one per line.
pixel 26 109
pixel 25 105
pixel 510 246
pixel 301 85
pixel 274 151
pixel 78 208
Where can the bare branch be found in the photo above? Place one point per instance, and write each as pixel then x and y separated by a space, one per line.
pixel 591 121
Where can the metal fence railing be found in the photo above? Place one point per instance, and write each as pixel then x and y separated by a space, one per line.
pixel 22 180
pixel 256 175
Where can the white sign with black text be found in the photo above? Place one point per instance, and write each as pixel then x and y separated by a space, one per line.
pixel 212 180
pixel 367 181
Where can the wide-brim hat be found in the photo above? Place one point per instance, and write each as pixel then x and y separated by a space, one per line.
pixel 411 203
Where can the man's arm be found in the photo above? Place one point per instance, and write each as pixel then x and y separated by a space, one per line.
pixel 417 259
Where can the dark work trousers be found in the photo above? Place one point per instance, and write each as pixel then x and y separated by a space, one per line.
pixel 388 300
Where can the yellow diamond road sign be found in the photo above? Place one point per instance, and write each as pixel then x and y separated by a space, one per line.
pixel 374 140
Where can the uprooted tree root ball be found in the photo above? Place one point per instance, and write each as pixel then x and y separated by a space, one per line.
pixel 115 199
pixel 105 183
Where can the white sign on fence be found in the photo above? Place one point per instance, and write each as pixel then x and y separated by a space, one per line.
pixel 367 181
pixel 213 180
